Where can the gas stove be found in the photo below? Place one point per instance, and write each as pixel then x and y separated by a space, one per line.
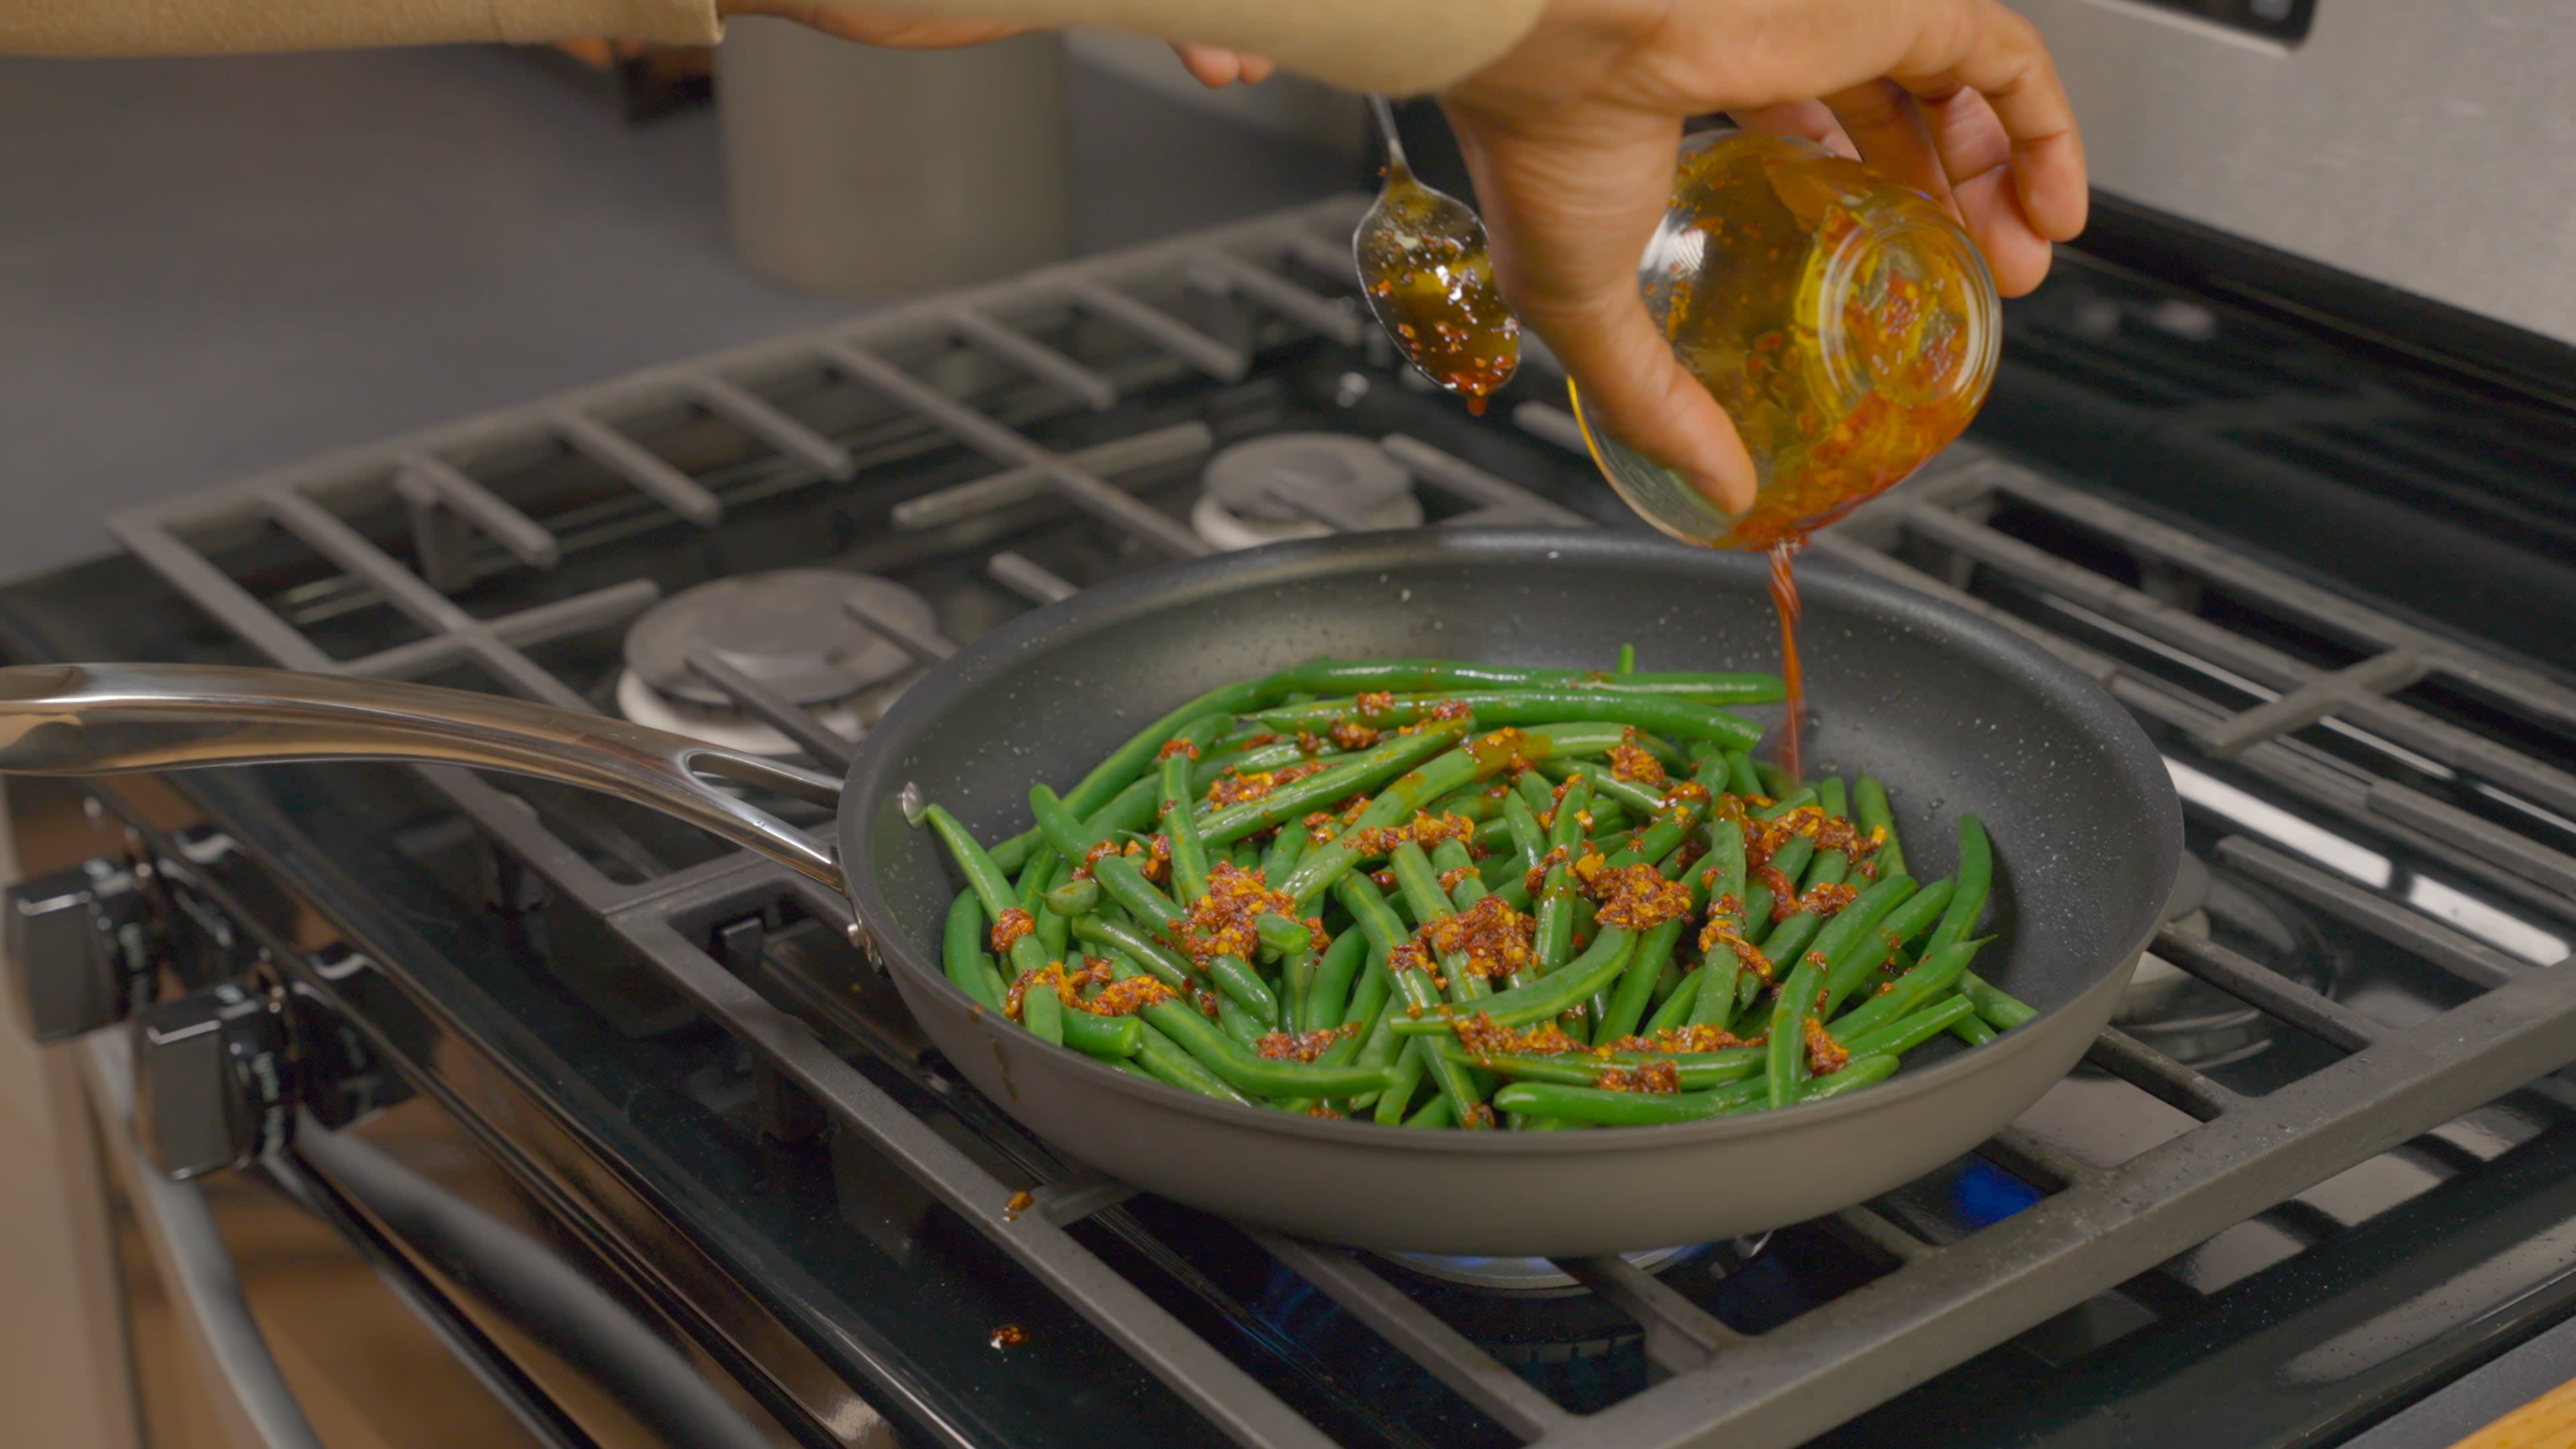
pixel 2318 1169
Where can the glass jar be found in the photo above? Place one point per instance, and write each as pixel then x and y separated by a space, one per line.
pixel 1847 324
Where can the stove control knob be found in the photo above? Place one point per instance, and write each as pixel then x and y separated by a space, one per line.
pixel 214 1084
pixel 79 948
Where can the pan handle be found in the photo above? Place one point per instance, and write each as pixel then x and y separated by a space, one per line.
pixel 105 719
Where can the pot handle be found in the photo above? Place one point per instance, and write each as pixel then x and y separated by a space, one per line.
pixel 105 719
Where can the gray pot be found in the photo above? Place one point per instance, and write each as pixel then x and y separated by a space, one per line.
pixel 859 172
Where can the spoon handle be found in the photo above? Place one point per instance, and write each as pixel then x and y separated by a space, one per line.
pixel 1385 114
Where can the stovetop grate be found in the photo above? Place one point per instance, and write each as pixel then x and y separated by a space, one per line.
pixel 2350 736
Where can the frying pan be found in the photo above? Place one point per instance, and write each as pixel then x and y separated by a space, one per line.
pixel 1952 712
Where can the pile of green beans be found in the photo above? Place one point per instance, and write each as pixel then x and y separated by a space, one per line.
pixel 1445 894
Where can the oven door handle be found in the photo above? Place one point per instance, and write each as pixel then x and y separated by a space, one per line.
pixel 253 1406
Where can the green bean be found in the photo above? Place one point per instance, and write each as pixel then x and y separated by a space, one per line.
pixel 1365 771
pixel 1678 1008
pixel 1545 997
pixel 1074 898
pixel 1412 990
pixel 1189 855
pixel 1328 990
pixel 987 882
pixel 1910 1031
pixel 1789 860
pixel 1238 1021
pixel 1286 849
pixel 1473 760
pixel 1871 812
pixel 2001 1010
pixel 1627 659
pixel 1130 759
pixel 1797 799
pixel 1325 676
pixel 1972 1030
pixel 1740 777
pixel 1553 935
pixel 1165 1059
pixel 1696 1069
pixel 1857 1073
pixel 962 950
pixel 1617 1109
pixel 1103 1036
pixel 1128 1065
pixel 1420 886
pixel 1158 960
pixel 1276 755
pixel 1123 883
pixel 1799 1003
pixel 1528 836
pixel 1934 974
pixel 1239 1068
pixel 1664 714
pixel 1435 1113
pixel 1280 936
pixel 1627 1005
pixel 1900 926
pixel 1409 1069
pixel 1975 878
pixel 1777 783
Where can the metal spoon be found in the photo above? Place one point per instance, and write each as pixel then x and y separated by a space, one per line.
pixel 1428 277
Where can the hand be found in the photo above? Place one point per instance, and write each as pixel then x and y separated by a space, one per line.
pixel 1571 138
pixel 1213 67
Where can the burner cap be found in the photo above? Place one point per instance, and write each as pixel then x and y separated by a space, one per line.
pixel 1345 474
pixel 786 629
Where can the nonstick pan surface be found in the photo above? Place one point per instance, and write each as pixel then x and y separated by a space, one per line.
pixel 1953 713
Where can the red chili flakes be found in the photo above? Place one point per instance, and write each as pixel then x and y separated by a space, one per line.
pixel 1685 1039
pixel 1686 792
pixel 1632 761
pixel 1429 830
pixel 1589 864
pixel 1350 734
pixel 1325 1110
pixel 1726 929
pixel 1784 892
pixel 1384 880
pixel 1479 1114
pixel 1009 1335
pixel 1220 923
pixel 1482 1036
pixel 1153 857
pixel 1229 788
pixel 1173 747
pixel 1450 709
pixel 1449 878
pixel 1126 998
pixel 1637 897
pixel 1409 956
pixel 1825 1055
pixel 1827 899
pixel 1536 879
pixel 1051 976
pixel 1205 1001
pixel 1374 702
pixel 1503 751
pixel 1014 924
pixel 1492 938
pixel 1660 1078
pixel 1279 1046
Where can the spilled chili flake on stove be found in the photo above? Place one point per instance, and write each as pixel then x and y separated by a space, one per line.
pixel 1009 1335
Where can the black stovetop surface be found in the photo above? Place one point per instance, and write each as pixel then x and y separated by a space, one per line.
pixel 2447 507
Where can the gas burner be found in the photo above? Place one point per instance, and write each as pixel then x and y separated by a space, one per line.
pixel 1302 485
pixel 2194 1022
pixel 1539 1278
pixel 794 631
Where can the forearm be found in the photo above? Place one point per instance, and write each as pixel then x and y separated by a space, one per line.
pixel 1396 46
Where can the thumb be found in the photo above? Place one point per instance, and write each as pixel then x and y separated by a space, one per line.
pixel 1568 212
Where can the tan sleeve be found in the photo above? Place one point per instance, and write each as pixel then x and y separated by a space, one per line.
pixel 1398 47
pixel 211 27
pixel 1394 47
